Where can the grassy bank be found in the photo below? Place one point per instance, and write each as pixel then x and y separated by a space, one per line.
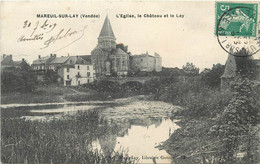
pixel 216 126
pixel 56 93
pixel 53 93
pixel 57 141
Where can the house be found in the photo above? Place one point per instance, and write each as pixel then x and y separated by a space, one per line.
pixel 146 62
pixel 57 62
pixel 76 71
pixel 42 63
pixel 7 62
pixel 72 70
pixel 87 58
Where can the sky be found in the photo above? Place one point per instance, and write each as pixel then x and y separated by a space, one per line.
pixel 178 40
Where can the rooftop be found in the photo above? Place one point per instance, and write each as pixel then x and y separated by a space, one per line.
pixel 42 60
pixel 106 30
pixel 59 60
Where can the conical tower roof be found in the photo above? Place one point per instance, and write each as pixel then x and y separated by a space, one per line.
pixel 230 67
pixel 106 30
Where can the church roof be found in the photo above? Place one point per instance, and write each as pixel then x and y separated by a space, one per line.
pixel 119 51
pixel 230 68
pixel 236 62
pixel 106 30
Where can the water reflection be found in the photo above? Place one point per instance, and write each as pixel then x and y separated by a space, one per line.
pixel 130 125
pixel 139 140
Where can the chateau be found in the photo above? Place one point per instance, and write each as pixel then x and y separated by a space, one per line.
pixel 110 60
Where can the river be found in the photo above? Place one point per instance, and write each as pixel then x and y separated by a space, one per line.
pixel 141 124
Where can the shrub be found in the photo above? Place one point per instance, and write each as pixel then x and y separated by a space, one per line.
pixel 17 80
pixel 57 141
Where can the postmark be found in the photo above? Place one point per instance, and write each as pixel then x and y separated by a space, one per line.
pixel 237 28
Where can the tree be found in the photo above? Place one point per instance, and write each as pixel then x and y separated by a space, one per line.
pixel 246 67
pixel 190 69
pixel 211 77
pixel 152 86
pixel 17 80
pixel 51 77
pixel 235 125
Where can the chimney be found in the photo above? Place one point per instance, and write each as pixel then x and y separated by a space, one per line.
pixel 39 56
pixel 11 56
pixel 4 55
pixel 54 55
pixel 23 59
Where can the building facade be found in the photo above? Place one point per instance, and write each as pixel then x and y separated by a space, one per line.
pixel 110 60
pixel 76 71
pixel 106 58
pixel 72 70
pixel 42 63
pixel 146 62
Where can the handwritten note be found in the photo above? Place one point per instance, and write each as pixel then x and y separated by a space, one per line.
pixel 44 32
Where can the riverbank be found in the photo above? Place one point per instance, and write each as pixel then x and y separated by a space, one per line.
pixel 56 94
pixel 93 132
pixel 217 126
pixel 56 141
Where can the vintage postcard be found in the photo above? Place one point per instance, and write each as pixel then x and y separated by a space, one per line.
pixel 130 82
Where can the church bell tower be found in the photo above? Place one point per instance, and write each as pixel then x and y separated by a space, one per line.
pixel 106 39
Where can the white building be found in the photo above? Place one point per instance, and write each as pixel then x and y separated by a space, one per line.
pixel 76 71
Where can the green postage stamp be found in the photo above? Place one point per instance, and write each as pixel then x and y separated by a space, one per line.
pixel 236 19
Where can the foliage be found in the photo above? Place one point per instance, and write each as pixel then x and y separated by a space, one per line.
pixel 211 77
pixel 246 67
pixel 151 86
pixel 18 80
pixel 235 125
pixel 131 87
pixel 51 77
pixel 218 127
pixel 176 91
pixel 87 97
pixel 104 86
pixel 56 141
pixel 190 69
pixel 207 103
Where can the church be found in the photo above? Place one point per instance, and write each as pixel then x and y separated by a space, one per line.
pixel 110 60
pixel 106 58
